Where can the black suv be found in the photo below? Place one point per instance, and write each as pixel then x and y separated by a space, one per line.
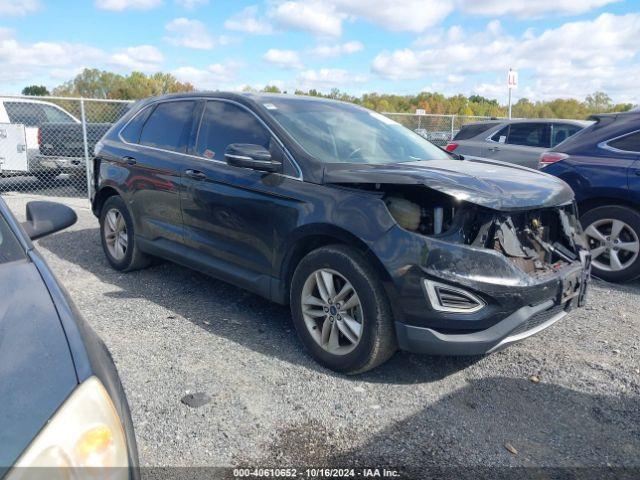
pixel 375 237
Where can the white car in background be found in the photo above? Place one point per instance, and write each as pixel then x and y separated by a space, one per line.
pixel 20 122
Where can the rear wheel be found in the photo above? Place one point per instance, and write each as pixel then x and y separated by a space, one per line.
pixel 613 234
pixel 340 310
pixel 118 239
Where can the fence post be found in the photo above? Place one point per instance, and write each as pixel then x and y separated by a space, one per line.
pixel 452 126
pixel 83 119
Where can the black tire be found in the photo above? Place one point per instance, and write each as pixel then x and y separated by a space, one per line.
pixel 627 215
pixel 377 340
pixel 133 258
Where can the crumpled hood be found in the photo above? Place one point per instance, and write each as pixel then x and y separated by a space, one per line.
pixel 496 185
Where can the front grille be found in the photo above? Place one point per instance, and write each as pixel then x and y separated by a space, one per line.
pixel 538 319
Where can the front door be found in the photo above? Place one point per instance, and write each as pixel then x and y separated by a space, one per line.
pixel 229 212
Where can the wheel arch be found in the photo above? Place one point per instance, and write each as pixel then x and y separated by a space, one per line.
pixel 590 203
pixel 311 237
pixel 101 197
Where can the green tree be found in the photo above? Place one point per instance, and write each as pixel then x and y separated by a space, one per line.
pixel 35 90
pixel 598 102
pixel 271 89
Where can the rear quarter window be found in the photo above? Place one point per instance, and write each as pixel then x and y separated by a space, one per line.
pixel 168 126
pixel 627 143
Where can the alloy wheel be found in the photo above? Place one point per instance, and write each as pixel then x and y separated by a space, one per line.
pixel 332 311
pixel 614 244
pixel 115 234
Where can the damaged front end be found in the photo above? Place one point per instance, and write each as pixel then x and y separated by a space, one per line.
pixel 539 242
pixel 478 256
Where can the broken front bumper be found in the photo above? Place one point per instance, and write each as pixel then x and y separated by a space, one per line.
pixel 524 322
pixel 515 304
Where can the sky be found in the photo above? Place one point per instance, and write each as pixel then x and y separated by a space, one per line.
pixel 560 48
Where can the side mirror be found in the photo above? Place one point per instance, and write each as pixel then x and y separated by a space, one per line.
pixel 45 218
pixel 247 155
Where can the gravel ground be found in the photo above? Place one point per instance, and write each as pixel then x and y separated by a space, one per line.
pixel 173 332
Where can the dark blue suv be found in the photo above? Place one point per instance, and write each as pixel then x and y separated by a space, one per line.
pixel 602 165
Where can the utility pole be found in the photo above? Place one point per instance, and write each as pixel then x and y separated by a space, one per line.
pixel 512 82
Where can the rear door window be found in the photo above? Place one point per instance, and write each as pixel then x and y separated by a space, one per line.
pixel 55 115
pixel 561 131
pixel 28 114
pixel 529 134
pixel 628 143
pixel 168 126
pixel 223 124
pixel 501 135
pixel 131 133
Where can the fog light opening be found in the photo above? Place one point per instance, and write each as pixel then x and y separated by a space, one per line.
pixel 445 298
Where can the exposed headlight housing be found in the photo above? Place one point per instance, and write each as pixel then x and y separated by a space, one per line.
pixel 445 298
pixel 84 434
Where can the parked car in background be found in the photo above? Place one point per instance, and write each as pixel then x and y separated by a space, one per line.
pixel 376 238
pixel 514 141
pixel 42 139
pixel 602 165
pixel 62 403
pixel 438 137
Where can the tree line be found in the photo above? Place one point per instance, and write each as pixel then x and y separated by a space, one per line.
pixel 94 83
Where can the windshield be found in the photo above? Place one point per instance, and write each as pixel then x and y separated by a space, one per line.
pixel 334 132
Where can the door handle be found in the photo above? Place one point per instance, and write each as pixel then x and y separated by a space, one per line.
pixel 195 174
pixel 129 160
pixel 494 149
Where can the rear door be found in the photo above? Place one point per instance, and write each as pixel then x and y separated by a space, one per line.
pixel 520 143
pixel 13 148
pixel 628 146
pixel 151 159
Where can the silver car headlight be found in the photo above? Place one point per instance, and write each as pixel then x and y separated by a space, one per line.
pixel 85 433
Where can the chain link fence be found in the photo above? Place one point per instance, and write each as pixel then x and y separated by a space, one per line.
pixel 45 142
pixel 438 129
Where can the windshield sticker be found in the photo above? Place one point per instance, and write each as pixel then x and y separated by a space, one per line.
pixel 270 106
pixel 382 118
pixel 209 153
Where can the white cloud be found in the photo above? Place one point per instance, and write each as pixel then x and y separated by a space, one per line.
pixel 247 21
pixel 573 59
pixel 325 17
pixel 317 17
pixel 192 4
pixel 189 33
pixel 53 62
pixel 216 76
pixel 18 8
pixel 145 58
pixel 120 5
pixel 330 51
pixel 399 15
pixel 531 8
pixel 328 78
pixel 283 58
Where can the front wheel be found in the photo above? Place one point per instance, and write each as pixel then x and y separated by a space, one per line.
pixel 613 234
pixel 340 310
